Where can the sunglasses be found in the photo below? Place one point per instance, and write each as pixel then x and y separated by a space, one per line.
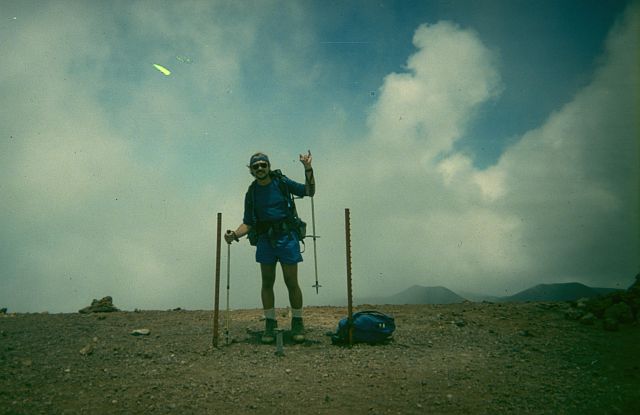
pixel 261 165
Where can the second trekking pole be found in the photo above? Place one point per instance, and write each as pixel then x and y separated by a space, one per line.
pixel 315 255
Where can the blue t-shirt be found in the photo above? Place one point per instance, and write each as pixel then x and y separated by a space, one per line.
pixel 269 203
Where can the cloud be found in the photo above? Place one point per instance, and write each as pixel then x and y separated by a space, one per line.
pixel 112 173
pixel 430 105
pixel 571 181
pixel 558 206
pixel 84 213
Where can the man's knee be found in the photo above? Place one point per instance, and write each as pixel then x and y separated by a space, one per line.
pixel 268 282
pixel 292 285
pixel 290 269
pixel 290 273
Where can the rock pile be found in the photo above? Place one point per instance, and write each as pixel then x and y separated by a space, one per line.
pixel 104 305
pixel 620 307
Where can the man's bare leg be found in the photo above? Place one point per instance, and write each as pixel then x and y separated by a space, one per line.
pixel 290 272
pixel 268 301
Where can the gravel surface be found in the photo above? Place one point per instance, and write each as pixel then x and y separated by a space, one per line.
pixel 470 358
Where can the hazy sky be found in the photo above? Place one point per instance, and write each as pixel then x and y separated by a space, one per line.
pixel 486 146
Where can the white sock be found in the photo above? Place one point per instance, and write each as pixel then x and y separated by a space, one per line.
pixel 270 313
pixel 296 312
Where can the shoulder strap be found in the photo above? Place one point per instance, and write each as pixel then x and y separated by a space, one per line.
pixel 251 192
pixel 280 181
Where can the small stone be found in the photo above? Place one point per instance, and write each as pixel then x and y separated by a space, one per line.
pixel 588 319
pixel 87 350
pixel 141 332
pixel 573 314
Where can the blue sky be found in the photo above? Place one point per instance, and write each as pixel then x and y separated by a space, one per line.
pixel 486 146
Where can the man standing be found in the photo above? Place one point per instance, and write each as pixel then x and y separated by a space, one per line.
pixel 271 222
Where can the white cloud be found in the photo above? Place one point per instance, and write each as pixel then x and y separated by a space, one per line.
pixel 556 207
pixel 571 179
pixel 102 194
pixel 85 213
pixel 429 106
pixel 99 198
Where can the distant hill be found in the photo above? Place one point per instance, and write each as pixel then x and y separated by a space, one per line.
pixel 418 294
pixel 557 292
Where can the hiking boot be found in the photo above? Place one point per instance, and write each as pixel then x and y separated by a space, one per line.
pixel 269 335
pixel 297 329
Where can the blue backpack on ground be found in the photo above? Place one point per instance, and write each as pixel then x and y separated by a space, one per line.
pixel 372 327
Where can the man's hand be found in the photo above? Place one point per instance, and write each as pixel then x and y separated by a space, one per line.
pixel 309 181
pixel 230 236
pixel 306 159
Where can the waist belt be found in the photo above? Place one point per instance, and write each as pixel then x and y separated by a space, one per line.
pixel 273 228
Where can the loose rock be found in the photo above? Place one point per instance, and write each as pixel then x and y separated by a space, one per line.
pixel 588 319
pixel 104 305
pixel 87 350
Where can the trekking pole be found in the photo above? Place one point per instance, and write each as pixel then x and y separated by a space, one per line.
pixel 226 329
pixel 315 254
pixel 347 229
pixel 216 296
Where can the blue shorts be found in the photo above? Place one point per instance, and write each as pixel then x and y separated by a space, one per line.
pixel 286 250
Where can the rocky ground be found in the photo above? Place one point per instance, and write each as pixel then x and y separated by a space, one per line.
pixel 470 358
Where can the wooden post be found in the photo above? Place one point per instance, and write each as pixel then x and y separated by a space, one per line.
pixel 216 301
pixel 228 315
pixel 347 228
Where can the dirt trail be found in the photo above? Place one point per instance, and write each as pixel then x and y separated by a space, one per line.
pixel 472 358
